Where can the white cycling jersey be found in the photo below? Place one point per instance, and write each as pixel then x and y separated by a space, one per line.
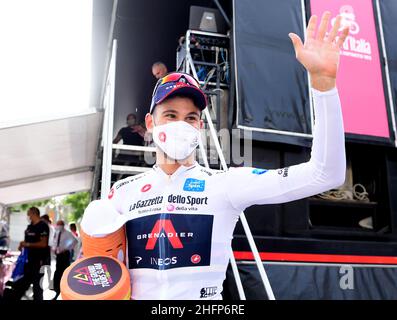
pixel 180 226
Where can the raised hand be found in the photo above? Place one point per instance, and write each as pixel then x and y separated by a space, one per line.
pixel 321 52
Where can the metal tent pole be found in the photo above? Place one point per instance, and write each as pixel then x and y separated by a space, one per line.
pixel 108 124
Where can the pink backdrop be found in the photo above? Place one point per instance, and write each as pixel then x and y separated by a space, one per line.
pixel 359 78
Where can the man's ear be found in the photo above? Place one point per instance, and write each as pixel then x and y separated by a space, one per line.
pixel 149 122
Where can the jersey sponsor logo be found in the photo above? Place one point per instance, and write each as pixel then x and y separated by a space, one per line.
pixel 111 193
pixel 131 179
pixel 146 203
pixel 194 185
pixel 189 200
pixel 208 292
pixel 165 229
pixel 206 171
pixel 259 171
pixel 164 241
pixel 182 208
pixel 122 184
pixel 163 262
pixel 146 187
pixel 283 172
pixel 195 258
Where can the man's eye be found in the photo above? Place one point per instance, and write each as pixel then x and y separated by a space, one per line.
pixel 192 119
pixel 170 115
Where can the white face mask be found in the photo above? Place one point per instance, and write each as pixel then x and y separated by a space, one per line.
pixel 176 139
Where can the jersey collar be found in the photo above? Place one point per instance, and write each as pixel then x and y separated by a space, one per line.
pixel 182 169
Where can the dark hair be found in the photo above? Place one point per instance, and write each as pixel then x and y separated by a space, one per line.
pixel 72 225
pixel 159 63
pixel 182 95
pixel 131 115
pixel 154 110
pixel 46 218
pixel 61 222
pixel 34 210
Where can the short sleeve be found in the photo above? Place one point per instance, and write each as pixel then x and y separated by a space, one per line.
pixel 44 230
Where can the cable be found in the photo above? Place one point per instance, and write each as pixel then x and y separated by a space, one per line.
pixel 201 74
pixel 346 194
pixel 221 90
pixel 334 195
pixel 208 78
pixel 361 196
pixel 225 71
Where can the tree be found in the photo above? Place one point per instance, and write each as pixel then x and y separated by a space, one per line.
pixel 26 206
pixel 78 202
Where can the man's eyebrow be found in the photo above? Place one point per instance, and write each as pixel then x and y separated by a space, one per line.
pixel 175 111
pixel 194 113
pixel 170 110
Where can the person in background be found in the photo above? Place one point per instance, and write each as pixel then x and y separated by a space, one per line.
pixel 73 229
pixel 48 221
pixel 64 242
pixel 159 69
pixel 4 234
pixel 75 251
pixel 36 244
pixel 132 134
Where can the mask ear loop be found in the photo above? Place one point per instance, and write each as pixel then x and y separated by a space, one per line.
pixel 202 149
pixel 154 124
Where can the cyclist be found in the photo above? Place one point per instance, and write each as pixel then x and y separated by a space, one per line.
pixel 179 217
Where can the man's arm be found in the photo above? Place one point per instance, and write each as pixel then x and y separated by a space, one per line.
pixel 140 130
pixel 43 243
pixel 327 166
pixel 104 216
pixel 118 137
